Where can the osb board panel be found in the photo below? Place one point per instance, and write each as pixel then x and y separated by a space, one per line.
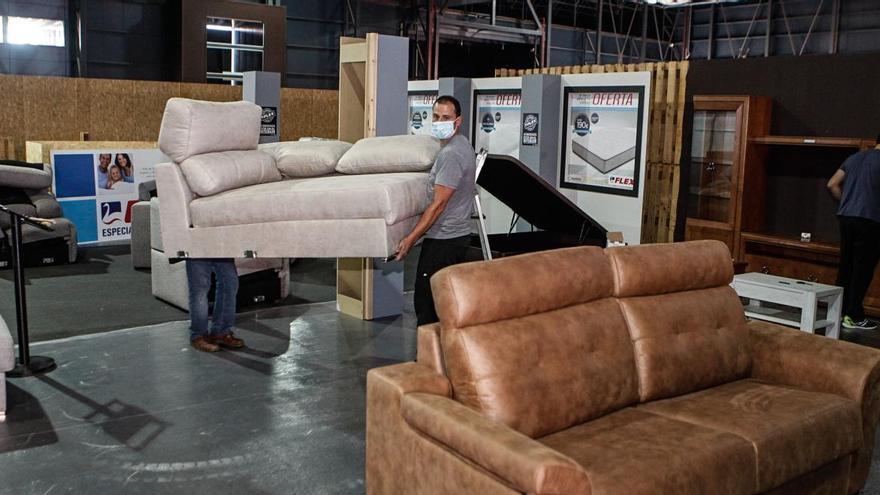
pixel 45 108
pixel 12 115
pixel 149 102
pixel 49 109
pixel 296 113
pixel 325 105
pixel 113 116
pixel 210 92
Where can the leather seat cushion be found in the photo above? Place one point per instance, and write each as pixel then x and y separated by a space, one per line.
pixel 792 431
pixel 392 197
pixel 634 452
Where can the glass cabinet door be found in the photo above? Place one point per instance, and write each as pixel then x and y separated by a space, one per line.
pixel 712 172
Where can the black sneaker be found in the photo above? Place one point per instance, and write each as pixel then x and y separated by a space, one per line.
pixel 864 324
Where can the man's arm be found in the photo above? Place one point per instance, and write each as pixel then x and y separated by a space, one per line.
pixel 442 194
pixel 835 184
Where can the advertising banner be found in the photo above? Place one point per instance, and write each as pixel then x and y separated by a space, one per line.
pixel 421 111
pixel 602 139
pixel 97 188
pixel 497 121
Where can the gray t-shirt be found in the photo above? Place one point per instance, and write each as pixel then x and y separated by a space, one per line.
pixel 861 186
pixel 455 167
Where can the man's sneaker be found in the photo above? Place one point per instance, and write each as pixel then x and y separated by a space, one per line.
pixel 204 345
pixel 864 324
pixel 227 340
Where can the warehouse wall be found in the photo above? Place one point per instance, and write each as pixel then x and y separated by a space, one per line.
pixel 130 39
pixel 35 60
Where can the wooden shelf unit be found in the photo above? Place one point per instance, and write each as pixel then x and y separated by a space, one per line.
pixel 837 142
pixel 744 229
pixel 723 139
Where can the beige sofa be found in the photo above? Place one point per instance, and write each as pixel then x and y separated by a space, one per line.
pixel 627 371
pixel 223 197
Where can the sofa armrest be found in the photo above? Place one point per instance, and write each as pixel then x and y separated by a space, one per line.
pixel 526 464
pixel 175 196
pixel 787 356
pixel 790 357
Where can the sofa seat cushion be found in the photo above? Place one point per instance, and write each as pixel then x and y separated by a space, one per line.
pixel 635 452
pixel 792 431
pixel 392 197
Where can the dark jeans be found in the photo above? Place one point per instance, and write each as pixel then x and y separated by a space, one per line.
pixel 859 254
pixel 436 255
pixel 198 276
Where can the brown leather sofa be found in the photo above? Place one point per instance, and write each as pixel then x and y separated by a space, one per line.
pixel 625 371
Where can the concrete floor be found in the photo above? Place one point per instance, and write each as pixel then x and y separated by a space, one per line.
pixel 139 411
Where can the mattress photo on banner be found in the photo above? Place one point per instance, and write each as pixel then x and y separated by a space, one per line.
pixel 603 139
pixel 497 121
pixel 496 128
pixel 421 112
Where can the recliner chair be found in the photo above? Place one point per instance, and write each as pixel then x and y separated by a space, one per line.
pixel 24 188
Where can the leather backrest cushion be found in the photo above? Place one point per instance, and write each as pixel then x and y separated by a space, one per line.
pixel 687 341
pixel 193 127
pixel 545 372
pixel 482 292
pixel 663 268
pixel 211 173
pixel 389 154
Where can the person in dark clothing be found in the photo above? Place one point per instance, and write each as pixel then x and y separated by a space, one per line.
pixel 857 186
pixel 446 223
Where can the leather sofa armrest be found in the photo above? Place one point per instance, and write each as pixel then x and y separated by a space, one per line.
pixel 527 465
pixel 787 356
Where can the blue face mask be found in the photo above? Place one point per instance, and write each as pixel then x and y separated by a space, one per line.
pixel 443 130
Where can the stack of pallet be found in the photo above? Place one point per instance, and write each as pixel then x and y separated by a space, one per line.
pixel 668 83
pixel 7 148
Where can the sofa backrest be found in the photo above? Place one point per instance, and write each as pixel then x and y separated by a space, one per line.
pixel 535 341
pixel 194 127
pixel 685 321
pixel 215 144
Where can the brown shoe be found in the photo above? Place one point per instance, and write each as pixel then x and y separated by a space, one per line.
pixel 204 345
pixel 227 340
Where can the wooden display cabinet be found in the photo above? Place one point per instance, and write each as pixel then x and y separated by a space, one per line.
pixel 721 155
pixel 737 170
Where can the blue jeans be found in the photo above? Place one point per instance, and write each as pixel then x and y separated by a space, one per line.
pixel 198 276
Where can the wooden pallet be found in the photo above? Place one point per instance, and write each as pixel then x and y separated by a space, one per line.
pixel 7 148
pixel 665 124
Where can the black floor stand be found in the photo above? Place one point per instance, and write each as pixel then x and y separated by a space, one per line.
pixel 27 365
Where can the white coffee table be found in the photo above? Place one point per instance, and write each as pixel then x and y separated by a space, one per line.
pixel 761 288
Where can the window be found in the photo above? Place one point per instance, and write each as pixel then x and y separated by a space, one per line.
pixel 234 47
pixel 31 31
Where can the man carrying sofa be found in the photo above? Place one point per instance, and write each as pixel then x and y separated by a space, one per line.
pixel 446 223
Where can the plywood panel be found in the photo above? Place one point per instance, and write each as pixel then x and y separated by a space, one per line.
pixel 49 109
pixel 210 92
pixel 148 101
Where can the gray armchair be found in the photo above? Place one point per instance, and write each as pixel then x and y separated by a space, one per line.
pixel 24 188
